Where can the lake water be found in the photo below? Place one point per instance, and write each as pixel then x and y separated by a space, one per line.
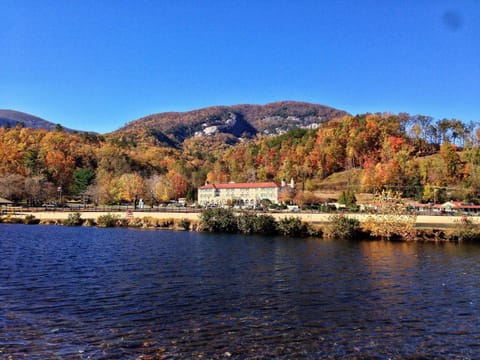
pixel 78 293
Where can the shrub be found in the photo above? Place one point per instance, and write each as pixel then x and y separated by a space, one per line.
pixel 48 222
pixel 466 234
pixel 314 231
pixel 107 220
pixel 13 220
pixel 265 225
pixel 342 227
pixel 166 223
pixel 73 219
pixel 218 220
pixel 184 224
pixel 465 230
pixel 89 222
pixel 134 222
pixel 246 223
pixel 31 219
pixel 224 220
pixel 148 221
pixel 327 208
pixel 292 226
pixel 121 222
pixel 393 219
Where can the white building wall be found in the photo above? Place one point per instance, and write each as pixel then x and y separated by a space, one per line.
pixel 249 196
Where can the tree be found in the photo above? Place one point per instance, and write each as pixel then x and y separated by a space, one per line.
pixel 132 187
pixel 459 130
pixel 59 167
pixel 163 191
pixel 31 161
pixel 113 160
pixel 150 184
pixel 82 178
pixel 299 199
pixel 421 129
pixel 178 183
pixel 12 186
pixel 434 194
pixel 453 165
pixel 38 189
pixel 443 126
pixel 347 197
pixel 115 192
pixel 286 195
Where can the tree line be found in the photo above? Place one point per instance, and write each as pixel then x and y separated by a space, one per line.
pixel 421 157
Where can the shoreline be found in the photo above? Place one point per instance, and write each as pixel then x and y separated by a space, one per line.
pixel 422 221
pixel 322 225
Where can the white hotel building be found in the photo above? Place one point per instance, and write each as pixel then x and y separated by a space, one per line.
pixel 245 194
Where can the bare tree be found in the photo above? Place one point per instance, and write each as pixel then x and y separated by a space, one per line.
pixel 12 186
pixel 38 190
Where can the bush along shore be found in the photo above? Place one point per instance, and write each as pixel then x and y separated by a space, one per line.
pixel 219 220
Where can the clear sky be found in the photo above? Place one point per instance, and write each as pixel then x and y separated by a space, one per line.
pixel 97 64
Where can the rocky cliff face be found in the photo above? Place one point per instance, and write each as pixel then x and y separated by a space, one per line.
pixel 233 124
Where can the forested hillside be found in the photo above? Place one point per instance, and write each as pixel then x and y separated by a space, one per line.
pixel 416 155
pixel 10 118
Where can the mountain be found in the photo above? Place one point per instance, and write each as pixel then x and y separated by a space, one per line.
pixel 10 118
pixel 227 123
pixel 239 121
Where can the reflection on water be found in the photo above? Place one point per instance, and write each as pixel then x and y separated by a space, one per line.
pixel 118 293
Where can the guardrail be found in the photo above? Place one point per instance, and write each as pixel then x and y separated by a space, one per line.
pixel 110 209
pixel 19 209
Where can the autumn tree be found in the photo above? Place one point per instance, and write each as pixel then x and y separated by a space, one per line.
pixel 434 194
pixel 303 198
pixel 178 183
pixel 132 187
pixel 112 160
pixel 453 166
pixel 286 195
pixel 162 189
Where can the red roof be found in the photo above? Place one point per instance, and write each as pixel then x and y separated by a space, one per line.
pixel 269 184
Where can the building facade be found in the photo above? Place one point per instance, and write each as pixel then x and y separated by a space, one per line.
pixel 242 194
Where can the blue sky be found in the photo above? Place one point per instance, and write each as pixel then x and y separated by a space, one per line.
pixel 97 64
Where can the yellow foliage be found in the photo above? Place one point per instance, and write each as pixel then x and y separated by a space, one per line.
pixel 392 218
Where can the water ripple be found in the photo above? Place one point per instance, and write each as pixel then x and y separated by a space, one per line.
pixel 78 293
